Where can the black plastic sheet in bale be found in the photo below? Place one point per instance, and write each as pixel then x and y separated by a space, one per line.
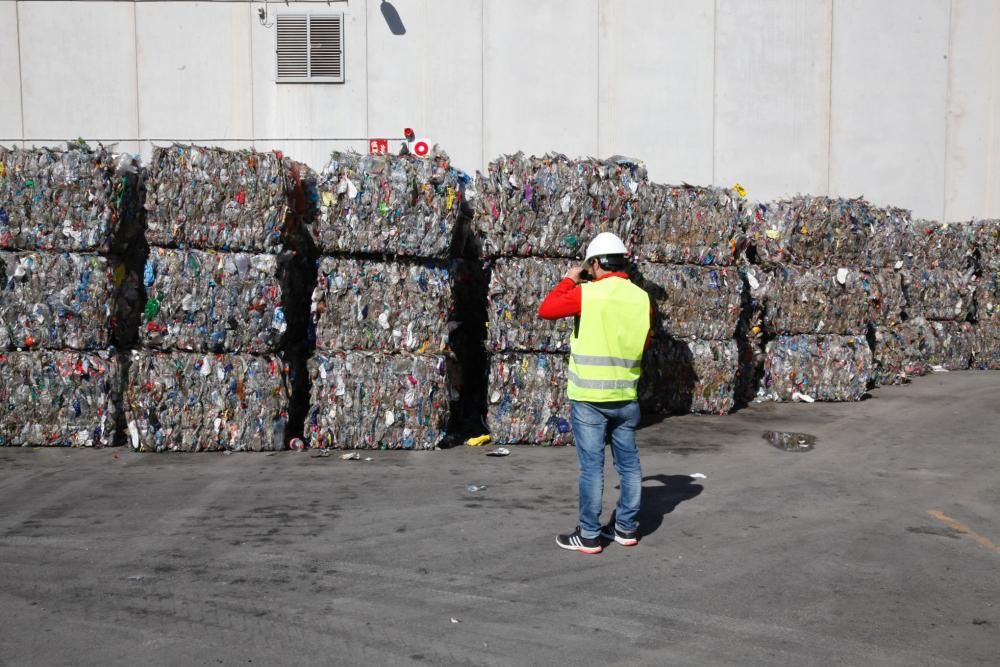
pixel 940 294
pixel 684 224
pixel 517 287
pixel 693 301
pixel 182 401
pixel 689 375
pixel 373 400
pixel 59 398
pixel 825 301
pixel 954 345
pixel 55 301
pixel 217 199
pixel 821 367
pixel 901 351
pixel 387 204
pixel 361 304
pixel 205 301
pixel 63 200
pixel 552 206
pixel 527 399
pixel 947 246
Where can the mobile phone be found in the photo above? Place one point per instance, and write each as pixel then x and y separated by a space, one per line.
pixel 585 275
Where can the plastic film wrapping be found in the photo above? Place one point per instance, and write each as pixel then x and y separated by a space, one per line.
pixel 517 287
pixel 985 236
pixel 371 400
pixel 55 301
pixel 181 401
pixel 893 239
pixel 689 375
pixel 69 200
pixel 552 206
pixel 386 204
pixel 986 344
pixel 823 367
pixel 217 199
pixel 693 301
pixel 684 224
pixel 361 304
pixel 939 294
pixel 205 301
pixel 67 399
pixel 527 399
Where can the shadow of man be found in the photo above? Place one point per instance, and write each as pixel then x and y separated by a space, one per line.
pixel 661 499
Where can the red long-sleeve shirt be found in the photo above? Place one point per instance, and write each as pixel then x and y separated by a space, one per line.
pixel 566 300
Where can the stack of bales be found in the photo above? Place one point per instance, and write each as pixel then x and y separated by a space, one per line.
pixel 383 374
pixel 688 239
pixel 816 300
pixel 534 217
pixel 986 333
pixel 66 217
pixel 939 283
pixel 208 374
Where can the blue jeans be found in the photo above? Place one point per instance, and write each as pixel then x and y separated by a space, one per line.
pixel 592 422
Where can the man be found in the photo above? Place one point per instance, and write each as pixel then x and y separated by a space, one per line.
pixel 610 332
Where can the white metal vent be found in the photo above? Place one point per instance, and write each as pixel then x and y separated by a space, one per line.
pixel 310 48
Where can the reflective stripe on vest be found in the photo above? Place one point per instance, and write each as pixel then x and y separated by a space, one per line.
pixel 606 347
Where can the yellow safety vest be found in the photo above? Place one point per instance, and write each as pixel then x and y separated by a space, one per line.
pixel 606 346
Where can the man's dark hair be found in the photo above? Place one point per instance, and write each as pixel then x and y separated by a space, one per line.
pixel 611 262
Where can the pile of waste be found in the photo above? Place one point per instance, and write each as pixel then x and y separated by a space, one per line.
pixel 384 375
pixel 220 228
pixel 379 400
pixel 552 206
pixel 185 401
pixel 59 397
pixel 66 217
pixel 387 306
pixel 388 205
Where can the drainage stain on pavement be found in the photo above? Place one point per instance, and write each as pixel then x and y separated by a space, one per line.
pixel 790 442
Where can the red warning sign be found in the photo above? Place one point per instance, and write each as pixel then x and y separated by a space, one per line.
pixel 378 146
pixel 421 149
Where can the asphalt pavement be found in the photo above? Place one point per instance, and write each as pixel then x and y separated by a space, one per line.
pixel 879 544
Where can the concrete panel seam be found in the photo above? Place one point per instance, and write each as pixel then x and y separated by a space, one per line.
pixel 20 71
pixel 829 108
pixel 947 115
pixel 715 77
pixel 253 96
pixel 135 58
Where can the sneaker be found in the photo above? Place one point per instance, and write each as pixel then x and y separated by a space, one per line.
pixel 626 538
pixel 576 542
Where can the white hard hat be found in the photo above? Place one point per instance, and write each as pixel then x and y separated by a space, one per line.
pixel 605 243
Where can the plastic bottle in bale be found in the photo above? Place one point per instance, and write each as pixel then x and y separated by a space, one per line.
pixel 361 304
pixel 693 301
pixel 690 225
pixel 373 400
pixel 689 375
pixel 203 301
pixel 516 289
pixel 182 401
pixel 527 399
pixel 60 398
pixel 65 200
pixel 821 367
pixel 901 351
pixel 55 300
pixel 550 206
pixel 213 198
pixel 954 345
pixel 822 301
pixel 388 204
pixel 939 294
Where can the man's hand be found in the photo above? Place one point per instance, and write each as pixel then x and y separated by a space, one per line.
pixel 574 274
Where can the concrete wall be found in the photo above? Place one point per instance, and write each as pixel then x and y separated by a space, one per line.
pixel 898 100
